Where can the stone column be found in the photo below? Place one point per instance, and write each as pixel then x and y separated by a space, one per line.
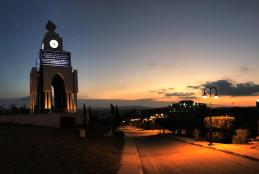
pixel 32 103
pixel 34 98
pixel 45 100
pixel 49 100
pixel 67 97
pixel 71 102
pixel 75 102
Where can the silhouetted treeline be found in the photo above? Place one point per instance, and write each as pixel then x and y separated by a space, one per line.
pixel 190 118
pixel 14 110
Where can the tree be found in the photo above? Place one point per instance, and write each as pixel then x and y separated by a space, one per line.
pixel 117 116
pixel 84 119
pixel 13 108
pixel 112 119
pixel 90 113
pixel 112 109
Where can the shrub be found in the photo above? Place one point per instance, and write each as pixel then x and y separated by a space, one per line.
pixel 183 131
pixel 176 132
pixel 220 122
pixel 241 136
pixel 196 133
pixel 221 136
pixel 222 127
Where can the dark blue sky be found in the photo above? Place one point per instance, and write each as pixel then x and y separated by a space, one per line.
pixel 126 48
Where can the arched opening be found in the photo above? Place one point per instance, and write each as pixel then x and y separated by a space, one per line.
pixel 58 94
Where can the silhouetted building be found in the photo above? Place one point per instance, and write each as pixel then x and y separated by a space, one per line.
pixel 185 114
pixel 175 109
pixel 53 82
pixel 186 106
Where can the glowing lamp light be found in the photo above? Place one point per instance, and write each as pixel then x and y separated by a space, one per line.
pixel 204 95
pixel 216 95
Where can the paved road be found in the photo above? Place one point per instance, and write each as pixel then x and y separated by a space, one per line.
pixel 160 154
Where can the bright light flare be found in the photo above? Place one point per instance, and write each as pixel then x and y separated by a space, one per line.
pixel 204 96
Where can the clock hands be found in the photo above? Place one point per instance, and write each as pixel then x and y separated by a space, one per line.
pixel 53 43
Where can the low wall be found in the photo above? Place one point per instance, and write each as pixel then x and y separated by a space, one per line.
pixel 48 120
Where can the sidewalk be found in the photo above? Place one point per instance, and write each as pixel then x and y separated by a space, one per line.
pixel 130 163
pixel 249 151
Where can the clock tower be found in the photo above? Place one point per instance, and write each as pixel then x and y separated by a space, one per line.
pixel 54 84
pixel 52 40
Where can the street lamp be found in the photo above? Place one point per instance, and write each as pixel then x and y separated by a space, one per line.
pixel 204 95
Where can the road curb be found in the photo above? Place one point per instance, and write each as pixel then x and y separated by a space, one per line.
pixel 130 161
pixel 222 150
pixel 140 171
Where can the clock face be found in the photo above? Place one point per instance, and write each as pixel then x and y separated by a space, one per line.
pixel 53 43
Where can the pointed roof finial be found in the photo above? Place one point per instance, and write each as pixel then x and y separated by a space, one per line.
pixel 50 26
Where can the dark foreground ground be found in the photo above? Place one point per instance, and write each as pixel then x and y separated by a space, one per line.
pixel 39 150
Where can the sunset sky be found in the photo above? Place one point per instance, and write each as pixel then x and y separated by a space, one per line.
pixel 165 50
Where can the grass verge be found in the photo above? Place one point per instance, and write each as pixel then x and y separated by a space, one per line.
pixel 39 150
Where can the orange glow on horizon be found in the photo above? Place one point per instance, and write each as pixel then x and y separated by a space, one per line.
pixel 221 101
pixel 150 90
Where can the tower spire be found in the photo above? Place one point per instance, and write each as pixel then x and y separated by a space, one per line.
pixel 50 26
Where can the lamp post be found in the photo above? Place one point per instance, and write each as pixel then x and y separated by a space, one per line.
pixel 204 95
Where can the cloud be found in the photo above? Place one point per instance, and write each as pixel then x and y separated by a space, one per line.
pixel 159 91
pixel 244 69
pixel 182 95
pixel 166 93
pixel 179 94
pixel 194 87
pixel 231 88
pixel 144 99
pixel 151 64
pixel 83 96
